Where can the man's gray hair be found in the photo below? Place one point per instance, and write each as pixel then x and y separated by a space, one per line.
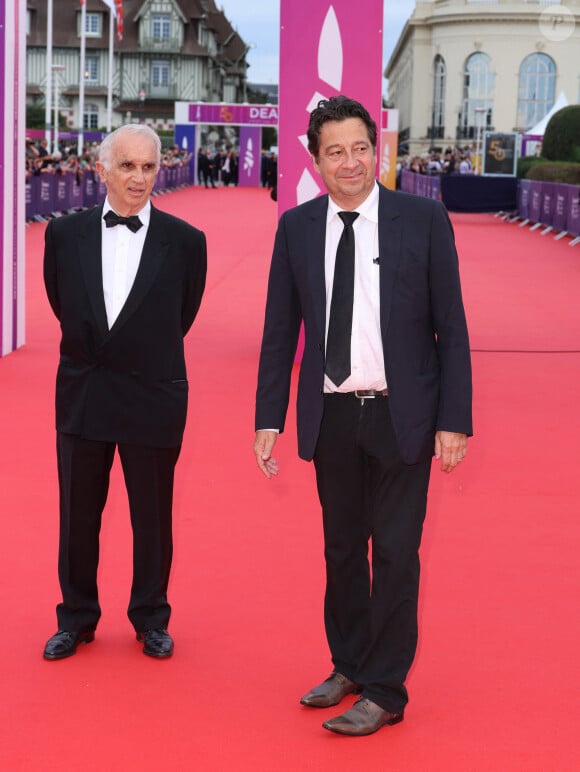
pixel 106 146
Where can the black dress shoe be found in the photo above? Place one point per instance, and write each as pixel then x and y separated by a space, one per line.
pixel 157 643
pixel 64 643
pixel 365 717
pixel 330 692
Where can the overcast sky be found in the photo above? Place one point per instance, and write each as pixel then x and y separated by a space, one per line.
pixel 258 22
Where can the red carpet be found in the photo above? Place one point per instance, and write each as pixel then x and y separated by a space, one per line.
pixel 496 681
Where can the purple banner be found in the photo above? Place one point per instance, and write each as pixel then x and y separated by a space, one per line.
pixel 408 181
pixel 249 158
pixel 320 58
pixel 560 210
pixel 3 181
pixel 76 192
pixel 573 218
pixel 535 206
pixel 49 193
pixel 523 198
pixel 46 195
pixel 236 114
pixel 548 191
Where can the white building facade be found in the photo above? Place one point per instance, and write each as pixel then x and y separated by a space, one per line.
pixel 463 66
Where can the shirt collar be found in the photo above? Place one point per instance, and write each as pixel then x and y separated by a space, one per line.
pixel 369 209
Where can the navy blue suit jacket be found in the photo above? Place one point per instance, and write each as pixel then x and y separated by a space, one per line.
pixel 423 326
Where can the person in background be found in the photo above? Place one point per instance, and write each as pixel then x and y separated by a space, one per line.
pixel 125 282
pixel 384 385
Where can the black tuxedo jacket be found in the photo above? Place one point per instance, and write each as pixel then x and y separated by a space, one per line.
pixel 127 384
pixel 423 327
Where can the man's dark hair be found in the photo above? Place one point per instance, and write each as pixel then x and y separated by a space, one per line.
pixel 337 108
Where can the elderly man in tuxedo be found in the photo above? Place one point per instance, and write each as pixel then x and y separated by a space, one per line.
pixel 125 282
pixel 385 385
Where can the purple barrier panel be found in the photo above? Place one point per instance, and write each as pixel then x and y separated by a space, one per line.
pixel 46 199
pixel 408 180
pixel 172 177
pixel 191 171
pixel 29 192
pixel 161 180
pixel 90 189
pixel 535 206
pixel 436 187
pixel 101 191
pixel 560 208
pixel 420 185
pixel 62 195
pixel 524 198
pixel 76 191
pixel 573 217
pixel 548 198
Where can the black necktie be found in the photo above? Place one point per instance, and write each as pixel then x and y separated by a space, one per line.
pixel 112 219
pixel 340 321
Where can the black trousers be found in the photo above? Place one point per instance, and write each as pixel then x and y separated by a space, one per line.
pixel 83 473
pixel 368 494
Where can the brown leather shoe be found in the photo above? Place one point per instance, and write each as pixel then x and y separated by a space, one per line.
pixel 330 692
pixel 365 717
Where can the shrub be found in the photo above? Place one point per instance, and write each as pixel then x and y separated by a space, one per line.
pixel 561 140
pixel 526 162
pixel 555 172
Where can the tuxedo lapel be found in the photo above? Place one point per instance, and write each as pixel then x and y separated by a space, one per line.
pixel 89 247
pixel 314 236
pixel 390 235
pixel 154 253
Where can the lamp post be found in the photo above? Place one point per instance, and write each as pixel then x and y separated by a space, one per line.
pixel 245 75
pixel 479 112
pixel 142 106
pixel 56 68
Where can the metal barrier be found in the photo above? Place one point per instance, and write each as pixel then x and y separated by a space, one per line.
pixel 50 194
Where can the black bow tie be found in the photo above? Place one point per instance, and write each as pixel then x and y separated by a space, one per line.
pixel 112 219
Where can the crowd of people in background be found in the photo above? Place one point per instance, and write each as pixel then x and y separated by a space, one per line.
pixel 41 160
pixel 220 167
pixel 454 160
pixel 215 167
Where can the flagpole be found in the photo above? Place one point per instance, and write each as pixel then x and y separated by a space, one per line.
pixel 110 83
pixel 80 141
pixel 48 91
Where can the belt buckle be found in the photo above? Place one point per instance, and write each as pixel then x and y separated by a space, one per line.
pixel 362 397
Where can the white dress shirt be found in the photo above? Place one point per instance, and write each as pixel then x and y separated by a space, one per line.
pixel 367 363
pixel 121 254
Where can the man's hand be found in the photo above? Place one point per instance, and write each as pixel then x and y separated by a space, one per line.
pixel 263 446
pixel 451 448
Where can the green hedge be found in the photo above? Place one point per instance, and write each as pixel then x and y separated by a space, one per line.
pixel 526 162
pixel 561 140
pixel 552 171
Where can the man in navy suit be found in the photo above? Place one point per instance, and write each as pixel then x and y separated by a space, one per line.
pixel 125 282
pixel 404 397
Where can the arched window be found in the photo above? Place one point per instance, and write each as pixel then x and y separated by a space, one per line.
pixel 477 107
pixel 91 116
pixel 536 89
pixel 437 128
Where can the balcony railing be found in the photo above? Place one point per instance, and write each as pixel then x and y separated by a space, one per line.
pixel 435 132
pixel 160 45
pixel 161 92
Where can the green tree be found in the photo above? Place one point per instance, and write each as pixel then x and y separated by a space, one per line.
pixel 561 140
